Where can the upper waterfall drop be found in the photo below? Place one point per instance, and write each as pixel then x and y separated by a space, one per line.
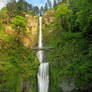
pixel 40 45
pixel 40 54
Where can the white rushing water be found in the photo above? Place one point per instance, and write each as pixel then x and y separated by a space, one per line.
pixel 43 73
pixel 40 44
pixel 43 78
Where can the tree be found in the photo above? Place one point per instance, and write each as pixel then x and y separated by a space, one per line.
pixel 17 8
pixel 26 6
pixel 4 16
pixel 31 12
pixel 72 39
pixel 54 3
pixel 41 10
pixel 36 10
pixel 45 7
pixel 19 24
pixel 30 6
pixel 8 80
pixel 59 1
pixel 20 7
pixel 63 15
pixel 49 4
pixel 64 1
pixel 11 7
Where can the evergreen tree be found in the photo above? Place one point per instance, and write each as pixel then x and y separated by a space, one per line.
pixel 11 7
pixel 20 7
pixel 50 4
pixel 45 7
pixel 59 1
pixel 36 10
pixel 30 6
pixel 26 6
pixel 54 3
pixel 41 10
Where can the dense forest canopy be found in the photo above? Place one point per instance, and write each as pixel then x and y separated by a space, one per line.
pixel 71 37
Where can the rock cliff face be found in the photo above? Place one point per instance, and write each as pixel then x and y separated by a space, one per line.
pixel 48 17
pixel 30 37
pixel 33 26
pixel 32 30
pixel 48 20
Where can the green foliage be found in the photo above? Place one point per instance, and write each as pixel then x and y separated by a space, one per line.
pixel 2 28
pixel 19 8
pixel 31 12
pixel 36 10
pixel 3 18
pixel 19 25
pixel 3 15
pixel 17 63
pixel 12 8
pixel 71 38
pixel 5 37
pixel 9 82
pixel 62 10
pixel 63 16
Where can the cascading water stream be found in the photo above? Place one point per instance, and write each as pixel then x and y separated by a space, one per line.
pixel 40 44
pixel 43 73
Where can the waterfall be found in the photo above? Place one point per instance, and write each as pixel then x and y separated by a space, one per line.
pixel 40 54
pixel 40 44
pixel 43 72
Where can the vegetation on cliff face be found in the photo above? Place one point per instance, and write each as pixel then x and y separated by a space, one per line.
pixel 19 24
pixel 18 63
pixel 71 38
pixel 67 28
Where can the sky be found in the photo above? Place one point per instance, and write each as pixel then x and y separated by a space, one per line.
pixel 33 2
pixel 37 2
pixel 2 3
